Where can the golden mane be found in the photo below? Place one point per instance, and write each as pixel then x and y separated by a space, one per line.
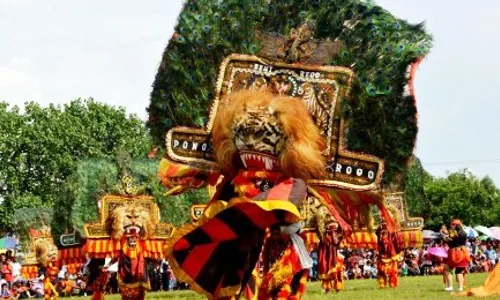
pixel 120 217
pixel 301 156
pixel 45 250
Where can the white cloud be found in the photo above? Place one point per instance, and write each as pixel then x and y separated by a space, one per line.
pixel 15 73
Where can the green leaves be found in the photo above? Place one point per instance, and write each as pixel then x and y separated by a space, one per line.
pixel 476 201
pixel 40 147
pixel 95 177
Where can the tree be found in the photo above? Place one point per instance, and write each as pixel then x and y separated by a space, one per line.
pixel 34 217
pixel 464 196
pixel 40 147
pixel 95 177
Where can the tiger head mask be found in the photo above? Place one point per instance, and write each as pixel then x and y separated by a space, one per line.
pixel 255 129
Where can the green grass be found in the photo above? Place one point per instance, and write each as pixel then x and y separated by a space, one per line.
pixel 428 287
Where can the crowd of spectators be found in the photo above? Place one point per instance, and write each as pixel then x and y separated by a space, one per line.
pixel 359 264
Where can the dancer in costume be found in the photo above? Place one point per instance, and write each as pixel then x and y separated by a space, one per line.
pixel 388 258
pixel 458 255
pixel 131 225
pixel 267 145
pixel 128 233
pixel 98 279
pixel 330 261
pixel 286 264
pixel 46 255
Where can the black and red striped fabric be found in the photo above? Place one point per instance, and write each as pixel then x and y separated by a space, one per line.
pixel 218 257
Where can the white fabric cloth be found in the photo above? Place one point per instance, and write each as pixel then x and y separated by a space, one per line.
pixel 16 269
pixel 62 273
pixel 306 261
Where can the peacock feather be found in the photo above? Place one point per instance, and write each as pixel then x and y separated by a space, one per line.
pixel 379 47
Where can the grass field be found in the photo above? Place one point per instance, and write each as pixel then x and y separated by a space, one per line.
pixel 428 287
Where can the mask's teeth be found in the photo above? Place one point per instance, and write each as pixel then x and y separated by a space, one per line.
pixel 268 163
pixel 243 159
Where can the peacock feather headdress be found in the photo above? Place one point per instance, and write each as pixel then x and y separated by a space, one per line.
pixel 378 47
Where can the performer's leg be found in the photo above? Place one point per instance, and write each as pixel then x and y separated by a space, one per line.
pixel 393 280
pixel 338 281
pixel 460 274
pixel 382 275
pixel 382 279
pixel 393 275
pixel 326 284
pixel 284 292
pixel 97 295
pixel 448 279
pixel 300 290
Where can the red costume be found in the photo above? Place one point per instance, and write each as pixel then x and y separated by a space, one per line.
pixel 388 258
pixel 330 263
pixel 51 272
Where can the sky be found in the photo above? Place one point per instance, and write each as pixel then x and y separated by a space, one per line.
pixel 54 51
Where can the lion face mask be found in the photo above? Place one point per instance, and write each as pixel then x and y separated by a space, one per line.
pixel 131 222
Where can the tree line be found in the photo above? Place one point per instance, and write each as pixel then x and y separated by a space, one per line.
pixel 56 161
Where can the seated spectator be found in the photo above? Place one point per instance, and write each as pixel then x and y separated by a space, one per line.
pixel 5 293
pixel 16 290
pixel 36 289
pixel 356 271
pixel 81 285
pixel 414 268
pixel 367 269
pixel 404 269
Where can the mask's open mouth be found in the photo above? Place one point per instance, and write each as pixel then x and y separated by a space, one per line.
pixel 132 233
pixel 259 161
pixel 133 230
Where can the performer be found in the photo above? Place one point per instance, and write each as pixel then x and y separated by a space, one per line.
pixel 388 257
pixel 267 146
pixel 46 254
pixel 458 255
pixel 98 279
pixel 285 267
pixel 330 261
pixel 132 234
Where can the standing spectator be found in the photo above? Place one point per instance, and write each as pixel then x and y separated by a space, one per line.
pixel 3 259
pixel 172 281
pixel 491 254
pixel 155 277
pixel 16 271
pixel 165 275
pixel 313 272
pixel 7 271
